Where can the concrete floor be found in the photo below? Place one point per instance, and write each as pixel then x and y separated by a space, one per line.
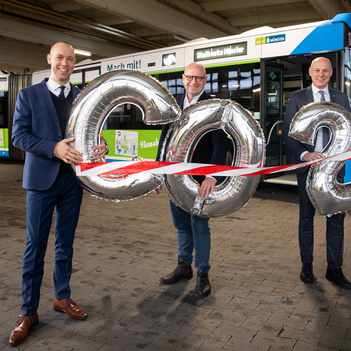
pixel 122 250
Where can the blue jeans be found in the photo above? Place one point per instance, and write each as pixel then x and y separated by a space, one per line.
pixel 192 232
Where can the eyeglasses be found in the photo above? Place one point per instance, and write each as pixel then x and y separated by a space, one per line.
pixel 190 78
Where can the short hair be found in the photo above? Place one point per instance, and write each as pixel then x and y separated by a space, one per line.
pixel 62 42
pixel 321 57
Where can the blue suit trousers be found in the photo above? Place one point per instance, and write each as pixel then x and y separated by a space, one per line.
pixel 66 196
pixel 334 233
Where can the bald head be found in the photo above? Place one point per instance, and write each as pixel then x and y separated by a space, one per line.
pixel 194 79
pixel 320 72
pixel 59 44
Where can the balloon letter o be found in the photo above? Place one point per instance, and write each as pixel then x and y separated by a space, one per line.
pixel 182 138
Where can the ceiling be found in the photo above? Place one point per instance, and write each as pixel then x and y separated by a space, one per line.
pixel 108 28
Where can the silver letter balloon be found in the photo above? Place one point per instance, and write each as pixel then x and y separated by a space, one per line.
pixel 182 138
pixel 92 107
pixel 325 192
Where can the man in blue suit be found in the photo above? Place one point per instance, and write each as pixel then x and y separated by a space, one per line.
pixel 193 231
pixel 40 120
pixel 320 72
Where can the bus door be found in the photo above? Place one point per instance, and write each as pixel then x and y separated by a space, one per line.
pixel 271 117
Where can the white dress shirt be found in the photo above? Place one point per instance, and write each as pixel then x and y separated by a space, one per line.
pixel 55 87
pixel 317 98
pixel 193 101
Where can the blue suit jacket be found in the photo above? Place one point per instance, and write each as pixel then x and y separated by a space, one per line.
pixel 297 100
pixel 36 130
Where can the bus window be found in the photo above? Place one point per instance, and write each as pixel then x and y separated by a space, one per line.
pixel 237 82
pixel 240 83
pixel 127 116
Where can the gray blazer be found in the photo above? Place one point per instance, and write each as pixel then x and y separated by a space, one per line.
pixel 297 100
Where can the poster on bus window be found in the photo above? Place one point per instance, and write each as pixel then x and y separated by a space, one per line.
pixel 126 143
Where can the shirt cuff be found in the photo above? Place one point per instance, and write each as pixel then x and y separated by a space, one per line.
pixel 208 176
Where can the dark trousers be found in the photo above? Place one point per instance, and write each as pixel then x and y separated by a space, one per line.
pixel 334 233
pixel 66 195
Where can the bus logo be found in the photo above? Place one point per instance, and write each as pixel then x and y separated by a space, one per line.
pixel 222 51
pixel 169 59
pixel 271 39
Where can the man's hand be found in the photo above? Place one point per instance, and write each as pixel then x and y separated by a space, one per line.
pixel 310 156
pixel 64 151
pixel 157 190
pixel 207 187
pixel 100 150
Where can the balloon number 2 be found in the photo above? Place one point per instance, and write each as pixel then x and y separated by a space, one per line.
pixel 324 184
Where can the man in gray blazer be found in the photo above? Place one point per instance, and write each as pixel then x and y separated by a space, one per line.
pixel 320 72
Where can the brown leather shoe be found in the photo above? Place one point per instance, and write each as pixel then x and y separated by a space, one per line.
pixel 70 308
pixel 203 286
pixel 24 325
pixel 183 271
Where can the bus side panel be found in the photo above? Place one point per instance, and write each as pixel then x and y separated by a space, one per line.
pixel 324 38
pixel 283 43
pixel 167 60
pixel 218 52
pixel 39 76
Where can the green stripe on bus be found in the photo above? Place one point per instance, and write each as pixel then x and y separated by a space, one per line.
pixel 210 66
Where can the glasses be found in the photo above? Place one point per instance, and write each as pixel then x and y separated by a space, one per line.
pixel 190 78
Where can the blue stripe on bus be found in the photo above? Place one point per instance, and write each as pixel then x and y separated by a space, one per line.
pixel 324 38
pixel 4 153
pixel 342 17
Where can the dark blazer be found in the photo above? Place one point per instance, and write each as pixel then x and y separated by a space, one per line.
pixel 297 100
pixel 212 147
pixel 36 130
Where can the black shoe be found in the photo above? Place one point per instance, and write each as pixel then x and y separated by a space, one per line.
pixel 203 286
pixel 183 271
pixel 337 277
pixel 307 273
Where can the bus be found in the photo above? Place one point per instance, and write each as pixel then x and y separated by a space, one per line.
pixel 259 69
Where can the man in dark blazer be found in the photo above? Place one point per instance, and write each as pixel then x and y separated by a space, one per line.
pixel 193 231
pixel 320 72
pixel 40 119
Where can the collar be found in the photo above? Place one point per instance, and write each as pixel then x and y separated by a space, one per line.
pixel 194 100
pixel 316 95
pixel 55 87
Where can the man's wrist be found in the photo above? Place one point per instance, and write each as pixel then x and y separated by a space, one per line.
pixel 302 155
pixel 107 147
